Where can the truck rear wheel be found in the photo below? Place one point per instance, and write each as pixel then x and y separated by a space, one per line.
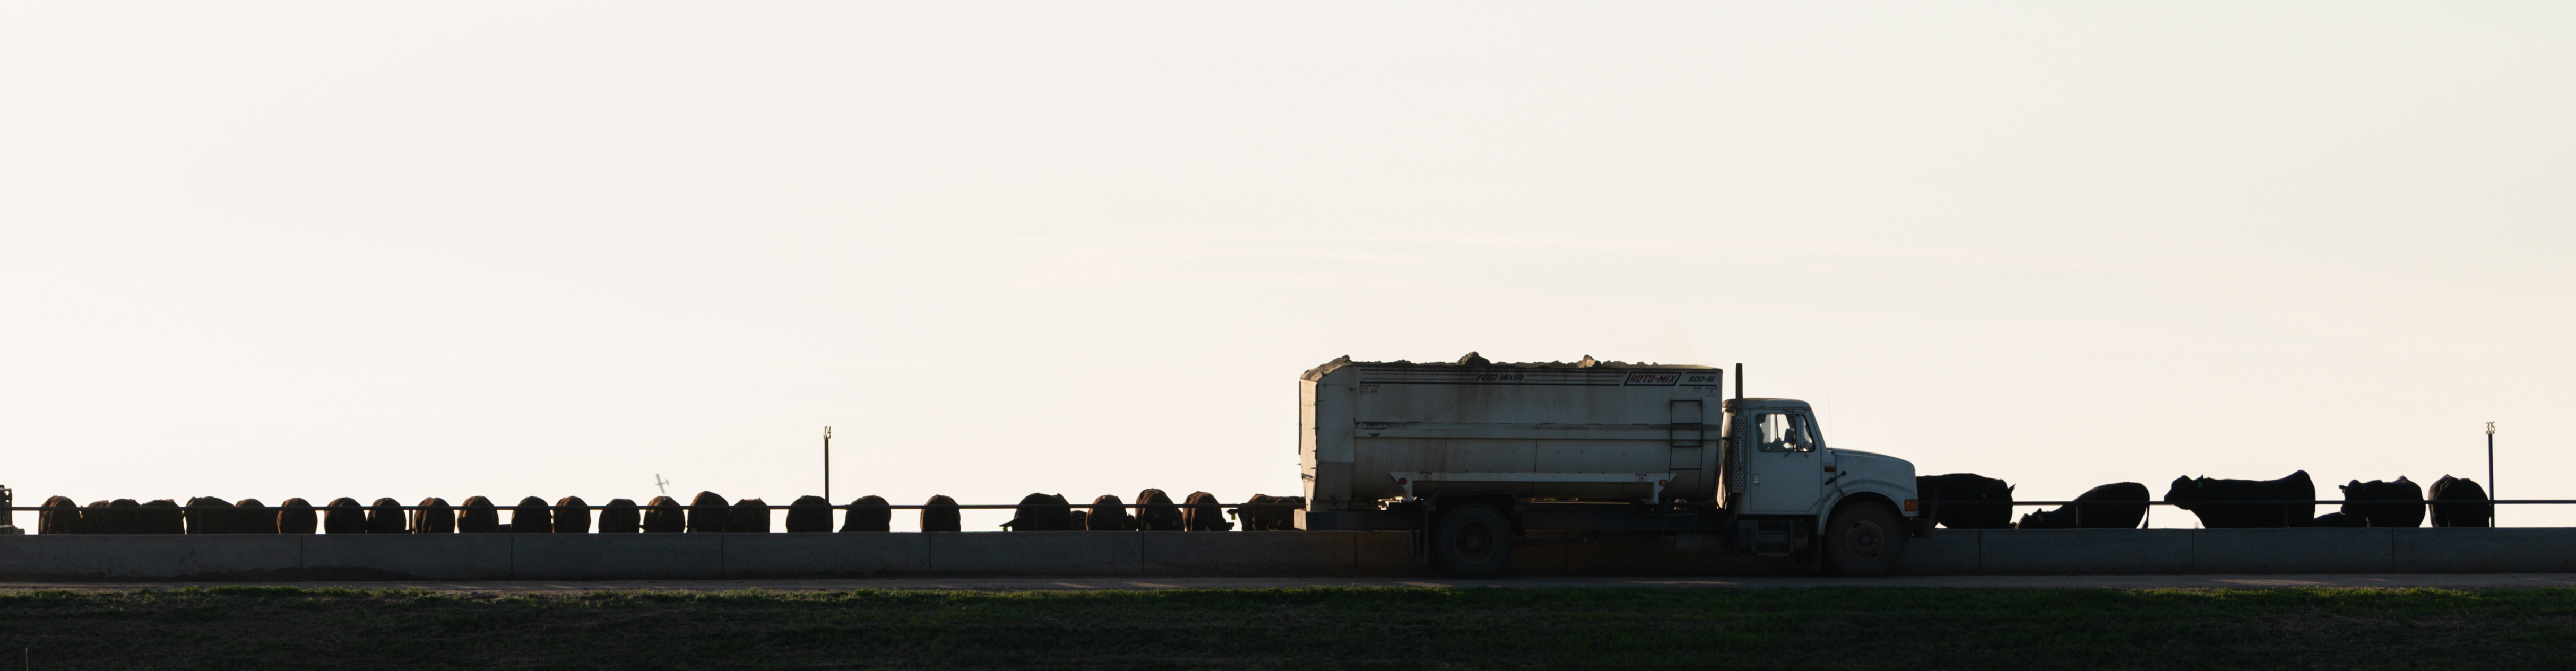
pixel 1472 542
pixel 1864 539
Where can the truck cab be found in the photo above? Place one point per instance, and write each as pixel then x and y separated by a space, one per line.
pixel 1474 455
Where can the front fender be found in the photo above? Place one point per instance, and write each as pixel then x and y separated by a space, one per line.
pixel 1894 494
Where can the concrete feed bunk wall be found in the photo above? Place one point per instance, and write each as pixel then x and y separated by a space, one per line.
pixel 1312 553
pixel 2309 550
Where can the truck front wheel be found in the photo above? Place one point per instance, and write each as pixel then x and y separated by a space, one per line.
pixel 1472 542
pixel 1864 539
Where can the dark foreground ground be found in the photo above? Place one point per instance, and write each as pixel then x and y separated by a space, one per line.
pixel 2454 581
pixel 258 627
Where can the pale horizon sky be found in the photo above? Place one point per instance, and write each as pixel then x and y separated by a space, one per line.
pixel 408 250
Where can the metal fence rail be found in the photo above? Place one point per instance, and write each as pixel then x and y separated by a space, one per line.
pixel 2318 502
pixel 1015 506
pixel 596 506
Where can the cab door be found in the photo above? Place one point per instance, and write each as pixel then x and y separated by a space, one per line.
pixel 1784 472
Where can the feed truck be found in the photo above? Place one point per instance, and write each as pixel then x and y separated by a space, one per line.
pixel 1473 454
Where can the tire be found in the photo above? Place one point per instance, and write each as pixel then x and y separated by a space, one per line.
pixel 1864 539
pixel 1472 543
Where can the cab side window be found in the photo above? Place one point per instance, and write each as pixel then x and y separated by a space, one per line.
pixel 1784 432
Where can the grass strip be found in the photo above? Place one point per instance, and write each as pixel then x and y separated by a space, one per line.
pixel 256 627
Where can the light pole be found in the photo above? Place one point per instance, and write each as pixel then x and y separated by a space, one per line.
pixel 2491 485
pixel 827 465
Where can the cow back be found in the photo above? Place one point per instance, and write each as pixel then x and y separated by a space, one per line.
pixel 157 516
pixel 250 516
pixel 572 515
pixel 295 516
pixel 810 515
pixel 96 519
pixel 2460 502
pixel 200 520
pixel 1042 512
pixel 477 515
pixel 2062 517
pixel 386 517
pixel 531 517
pixel 1202 512
pixel 663 515
pixel 1156 512
pixel 939 514
pixel 2403 505
pixel 344 516
pixel 2198 494
pixel 619 516
pixel 1264 512
pixel 1990 495
pixel 802 519
pixel 61 516
pixel 868 514
pixel 1109 513
pixel 2129 511
pixel 433 516
pixel 749 516
pixel 708 513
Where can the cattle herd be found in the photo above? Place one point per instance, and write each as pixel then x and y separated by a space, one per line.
pixel 1978 502
pixel 707 512
pixel 1957 501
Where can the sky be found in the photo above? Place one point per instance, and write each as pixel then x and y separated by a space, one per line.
pixel 409 249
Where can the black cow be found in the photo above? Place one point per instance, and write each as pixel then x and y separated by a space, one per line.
pixel 476 515
pixel 2188 493
pixel 1201 512
pixel 2095 515
pixel 1264 512
pixel 2405 510
pixel 199 520
pixel 940 515
pixel 531 517
pixel 1155 512
pixel 814 520
pixel 158 516
pixel 707 513
pixel 1935 489
pixel 619 516
pixel 663 515
pixel 572 515
pixel 433 516
pixel 2460 502
pixel 95 519
pixel 868 514
pixel 252 517
pixel 386 517
pixel 2340 520
pixel 749 516
pixel 61 516
pixel 1077 519
pixel 1041 512
pixel 1108 513
pixel 295 516
pixel 344 516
